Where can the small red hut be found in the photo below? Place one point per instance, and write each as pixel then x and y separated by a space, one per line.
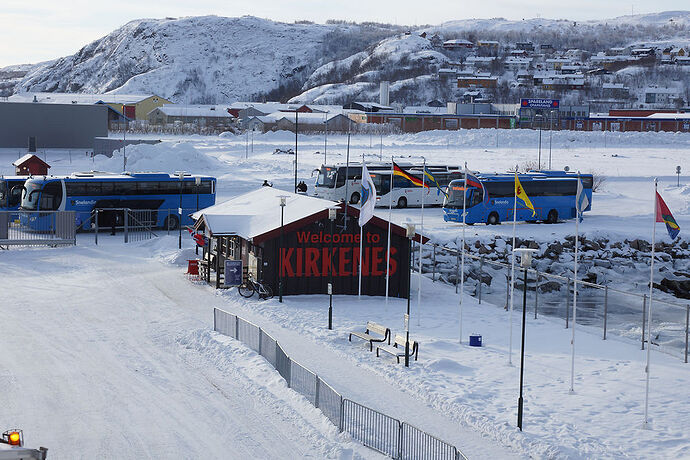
pixel 30 164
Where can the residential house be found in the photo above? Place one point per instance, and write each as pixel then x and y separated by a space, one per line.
pixel 201 115
pixel 477 81
pixel 458 43
pixel 666 97
pixel 615 91
pixel 517 64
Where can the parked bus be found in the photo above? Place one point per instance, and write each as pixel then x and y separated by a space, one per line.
pixel 552 194
pixel 84 192
pixel 11 192
pixel 330 182
pixel 405 193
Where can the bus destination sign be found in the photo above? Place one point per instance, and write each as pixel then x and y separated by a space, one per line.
pixel 539 103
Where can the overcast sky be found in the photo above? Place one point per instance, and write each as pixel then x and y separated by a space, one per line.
pixel 38 30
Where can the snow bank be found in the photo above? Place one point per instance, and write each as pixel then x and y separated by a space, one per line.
pixel 163 157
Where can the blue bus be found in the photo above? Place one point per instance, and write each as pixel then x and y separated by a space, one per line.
pixel 84 192
pixel 11 192
pixel 552 194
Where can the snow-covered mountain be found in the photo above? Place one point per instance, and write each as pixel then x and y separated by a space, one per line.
pixel 215 59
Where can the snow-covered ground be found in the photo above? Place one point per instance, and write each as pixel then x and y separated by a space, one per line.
pixel 108 349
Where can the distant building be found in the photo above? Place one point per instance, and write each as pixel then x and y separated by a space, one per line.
pixel 489 44
pixel 615 91
pixel 30 165
pixel 654 95
pixel 458 44
pixel 526 46
pixel 477 81
pixel 202 115
pixel 517 64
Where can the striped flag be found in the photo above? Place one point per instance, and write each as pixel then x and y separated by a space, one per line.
pixel 432 180
pixel 398 171
pixel 663 214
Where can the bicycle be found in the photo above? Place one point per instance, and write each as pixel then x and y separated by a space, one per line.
pixel 248 288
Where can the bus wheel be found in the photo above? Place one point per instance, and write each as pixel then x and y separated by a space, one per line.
pixel 354 199
pixel 553 217
pixel 171 223
pixel 493 219
pixel 402 202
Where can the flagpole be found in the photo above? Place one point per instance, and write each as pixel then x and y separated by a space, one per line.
pixel 361 231
pixel 421 241
pixel 649 311
pixel 572 338
pixel 512 273
pixel 462 247
pixel 390 217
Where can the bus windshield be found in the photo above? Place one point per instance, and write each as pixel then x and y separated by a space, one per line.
pixel 30 200
pixel 454 199
pixel 326 177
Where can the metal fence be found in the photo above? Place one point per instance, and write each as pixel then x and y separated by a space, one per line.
pixel 374 429
pixel 135 224
pixel 613 310
pixel 33 228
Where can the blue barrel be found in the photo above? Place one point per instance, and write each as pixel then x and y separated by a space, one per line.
pixel 475 340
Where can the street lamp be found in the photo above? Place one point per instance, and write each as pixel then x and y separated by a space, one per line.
pixel 332 214
pixel 525 261
pixel 296 131
pixel 180 175
pixel 551 112
pixel 197 182
pixel 283 201
pixel 410 233
pixel 540 117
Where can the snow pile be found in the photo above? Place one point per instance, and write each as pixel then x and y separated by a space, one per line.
pixel 163 157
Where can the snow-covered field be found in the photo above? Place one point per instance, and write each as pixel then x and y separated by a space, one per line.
pixel 108 351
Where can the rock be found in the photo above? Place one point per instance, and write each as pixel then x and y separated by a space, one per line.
pixel 640 245
pixel 550 286
pixel 554 249
pixel 603 263
pixel 533 245
pixel 590 277
pixel 679 288
pixel 484 250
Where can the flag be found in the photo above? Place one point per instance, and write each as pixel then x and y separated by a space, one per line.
pixel 581 200
pixel 520 193
pixel 472 181
pixel 432 180
pixel 366 211
pixel 398 171
pixel 663 214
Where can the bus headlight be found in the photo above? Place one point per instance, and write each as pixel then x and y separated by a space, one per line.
pixel 13 437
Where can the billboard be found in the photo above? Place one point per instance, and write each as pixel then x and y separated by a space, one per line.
pixel 539 103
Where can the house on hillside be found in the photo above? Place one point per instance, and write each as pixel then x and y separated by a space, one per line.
pixel 458 44
pixel 477 81
pixel 201 115
pixel 662 97
pixel 526 46
pixel 517 64
pixel 615 91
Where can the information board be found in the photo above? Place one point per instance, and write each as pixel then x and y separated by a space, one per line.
pixel 233 273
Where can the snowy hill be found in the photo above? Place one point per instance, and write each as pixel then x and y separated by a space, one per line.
pixel 214 59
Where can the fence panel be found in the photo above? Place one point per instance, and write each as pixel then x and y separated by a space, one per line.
pixel 372 428
pixel 330 402
pixel 268 348
pixel 224 322
pixel 303 381
pixel 248 333
pixel 283 363
pixel 27 228
pixel 415 444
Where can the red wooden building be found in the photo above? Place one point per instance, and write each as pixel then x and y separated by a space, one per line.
pixel 30 165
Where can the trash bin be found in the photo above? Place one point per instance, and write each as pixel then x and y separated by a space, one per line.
pixel 475 340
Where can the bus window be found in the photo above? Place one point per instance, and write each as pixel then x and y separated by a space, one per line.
pixel 477 197
pixel 51 196
pixel 326 177
pixel 401 182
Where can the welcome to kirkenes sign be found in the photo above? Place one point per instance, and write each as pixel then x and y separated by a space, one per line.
pixel 311 254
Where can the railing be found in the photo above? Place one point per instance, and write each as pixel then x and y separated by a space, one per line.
pixel 32 228
pixel 672 319
pixel 372 428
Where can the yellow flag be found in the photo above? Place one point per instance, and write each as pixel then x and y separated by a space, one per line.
pixel 520 193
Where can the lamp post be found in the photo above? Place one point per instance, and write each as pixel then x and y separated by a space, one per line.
pixel 410 230
pixel 296 130
pixel 332 214
pixel 283 201
pixel 540 117
pixel 180 175
pixel 678 174
pixel 197 182
pixel 525 261
pixel 550 134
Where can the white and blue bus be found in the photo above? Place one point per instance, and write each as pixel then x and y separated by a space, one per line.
pixel 85 192
pixel 11 192
pixel 552 194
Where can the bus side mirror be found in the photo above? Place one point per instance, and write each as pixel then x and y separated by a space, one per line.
pixel 21 187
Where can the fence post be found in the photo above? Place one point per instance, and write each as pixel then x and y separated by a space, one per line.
pixel 126 219
pixel 433 268
pixel 214 319
pixel 567 305
pixel 400 440
pixel 342 413
pixel 687 322
pixel 644 309
pixel 481 270
pixel 316 396
pixel 536 295
pixel 260 344
pixel 237 326
pixel 96 227
pixel 507 290
pixel 606 307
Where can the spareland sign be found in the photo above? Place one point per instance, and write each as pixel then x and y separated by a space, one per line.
pixel 539 103
pixel 233 273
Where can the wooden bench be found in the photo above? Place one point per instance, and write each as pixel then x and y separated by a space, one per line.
pixel 396 351
pixel 372 327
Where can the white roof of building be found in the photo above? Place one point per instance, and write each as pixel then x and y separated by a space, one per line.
pixel 662 90
pixel 675 116
pixel 518 60
pixel 79 98
pixel 304 117
pixel 425 109
pixel 24 158
pixel 457 41
pixel 257 212
pixel 210 111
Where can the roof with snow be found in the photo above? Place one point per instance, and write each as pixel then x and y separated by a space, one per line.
pixel 210 111
pixel 79 98
pixel 258 212
pixel 27 157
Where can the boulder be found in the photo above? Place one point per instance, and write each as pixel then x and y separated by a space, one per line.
pixel 550 286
